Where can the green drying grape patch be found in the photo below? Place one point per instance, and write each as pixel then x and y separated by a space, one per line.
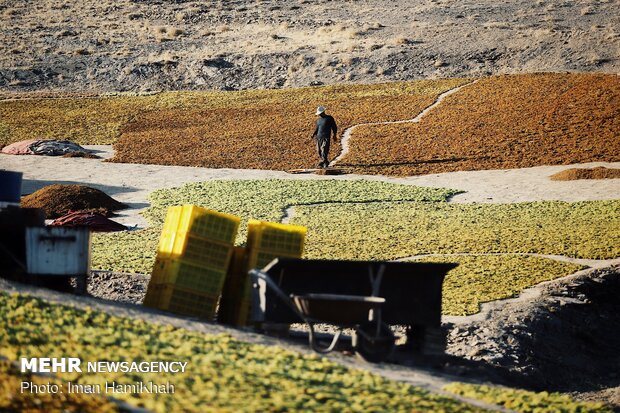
pixel 373 220
pixel 524 401
pixel 222 374
pixel 259 199
pixel 483 278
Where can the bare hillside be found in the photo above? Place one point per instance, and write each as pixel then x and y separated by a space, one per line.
pixel 142 45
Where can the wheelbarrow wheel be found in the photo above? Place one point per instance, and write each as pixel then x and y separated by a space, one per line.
pixel 372 344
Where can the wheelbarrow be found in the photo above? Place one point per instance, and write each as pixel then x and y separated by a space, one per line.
pixel 372 339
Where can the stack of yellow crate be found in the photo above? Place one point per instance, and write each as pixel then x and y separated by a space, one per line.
pixel 266 241
pixel 269 240
pixel 192 261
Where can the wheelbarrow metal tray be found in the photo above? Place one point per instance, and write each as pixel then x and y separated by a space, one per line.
pixel 412 290
pixel 345 310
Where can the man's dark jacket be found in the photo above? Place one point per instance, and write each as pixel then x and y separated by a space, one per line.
pixel 325 124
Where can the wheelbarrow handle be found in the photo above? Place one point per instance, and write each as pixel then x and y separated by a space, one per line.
pixel 260 275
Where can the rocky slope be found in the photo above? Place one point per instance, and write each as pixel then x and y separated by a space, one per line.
pixel 143 45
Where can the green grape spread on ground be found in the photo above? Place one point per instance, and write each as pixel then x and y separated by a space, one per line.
pixel 373 220
pixel 223 374
pixel 525 401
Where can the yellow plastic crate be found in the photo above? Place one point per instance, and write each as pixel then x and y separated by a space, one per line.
pixel 151 298
pixel 188 247
pixel 166 244
pixel 242 317
pixel 256 259
pixel 235 302
pixel 236 271
pixel 202 222
pixel 236 295
pixel 187 302
pixel 173 215
pixel 188 275
pixel 208 223
pixel 278 238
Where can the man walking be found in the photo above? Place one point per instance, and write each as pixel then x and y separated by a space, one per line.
pixel 325 125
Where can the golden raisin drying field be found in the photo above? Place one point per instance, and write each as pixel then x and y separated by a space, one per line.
pixel 84 120
pixel 263 129
pixel 496 123
pixel 267 129
pixel 499 123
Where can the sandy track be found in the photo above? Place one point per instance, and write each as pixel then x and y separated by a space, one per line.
pixel 132 183
pixel 524 184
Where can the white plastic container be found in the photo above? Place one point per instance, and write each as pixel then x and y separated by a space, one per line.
pixel 58 251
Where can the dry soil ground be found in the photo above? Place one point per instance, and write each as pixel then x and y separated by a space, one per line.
pixel 130 45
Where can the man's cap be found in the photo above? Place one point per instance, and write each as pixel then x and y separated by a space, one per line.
pixel 320 110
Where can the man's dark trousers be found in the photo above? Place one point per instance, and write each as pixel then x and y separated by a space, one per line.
pixel 322 146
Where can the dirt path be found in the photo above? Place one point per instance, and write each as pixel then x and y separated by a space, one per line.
pixel 132 183
pixel 346 136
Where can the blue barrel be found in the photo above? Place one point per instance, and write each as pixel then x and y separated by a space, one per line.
pixel 10 186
